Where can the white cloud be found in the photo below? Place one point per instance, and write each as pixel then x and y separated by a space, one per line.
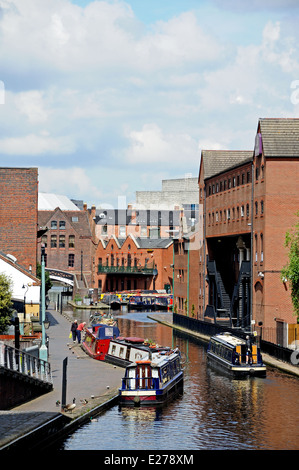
pixel 151 146
pixel 34 145
pixel 73 181
pixel 75 78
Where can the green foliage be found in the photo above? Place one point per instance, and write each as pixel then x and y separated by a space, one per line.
pixel 5 302
pixel 291 270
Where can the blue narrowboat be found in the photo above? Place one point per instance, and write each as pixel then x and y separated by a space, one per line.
pixel 153 381
pixel 235 356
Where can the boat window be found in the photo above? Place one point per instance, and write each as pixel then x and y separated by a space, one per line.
pixel 121 352
pixel 113 349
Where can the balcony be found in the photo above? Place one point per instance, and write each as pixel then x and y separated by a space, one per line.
pixel 142 270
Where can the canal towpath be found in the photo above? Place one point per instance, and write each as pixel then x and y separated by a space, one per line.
pixel 93 384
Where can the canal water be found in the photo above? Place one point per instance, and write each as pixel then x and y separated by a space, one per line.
pixel 214 412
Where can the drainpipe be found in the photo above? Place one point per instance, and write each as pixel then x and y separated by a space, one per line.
pixel 251 243
pixel 188 277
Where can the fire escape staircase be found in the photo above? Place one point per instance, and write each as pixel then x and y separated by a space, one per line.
pixel 240 303
pixel 222 302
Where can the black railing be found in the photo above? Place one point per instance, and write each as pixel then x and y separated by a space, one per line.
pixel 125 270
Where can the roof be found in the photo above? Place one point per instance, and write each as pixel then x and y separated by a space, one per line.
pixel 280 137
pixel 78 219
pixel 47 201
pixel 217 161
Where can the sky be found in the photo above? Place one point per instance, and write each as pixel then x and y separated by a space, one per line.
pixel 111 97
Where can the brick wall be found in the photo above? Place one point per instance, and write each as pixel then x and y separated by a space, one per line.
pixel 18 214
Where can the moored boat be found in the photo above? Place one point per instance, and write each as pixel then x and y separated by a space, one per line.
pixel 236 356
pixel 153 381
pixel 123 351
pixel 97 340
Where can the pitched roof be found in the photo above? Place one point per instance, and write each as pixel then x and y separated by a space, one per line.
pixel 217 161
pixel 280 137
pixel 78 220
pixel 48 201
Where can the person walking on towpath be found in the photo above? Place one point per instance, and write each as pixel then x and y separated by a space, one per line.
pixel 80 328
pixel 74 330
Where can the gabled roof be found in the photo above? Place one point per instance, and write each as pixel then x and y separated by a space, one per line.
pixel 280 137
pixel 81 226
pixel 217 161
pixel 12 261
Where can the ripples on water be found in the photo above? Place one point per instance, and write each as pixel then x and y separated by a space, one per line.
pixel 214 413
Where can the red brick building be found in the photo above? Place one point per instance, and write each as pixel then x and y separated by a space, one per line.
pixel 250 200
pixel 18 214
pixel 70 245
pixel 134 263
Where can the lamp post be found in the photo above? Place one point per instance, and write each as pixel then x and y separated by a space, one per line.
pixel 43 352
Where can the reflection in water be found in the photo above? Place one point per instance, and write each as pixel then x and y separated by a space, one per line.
pixel 214 412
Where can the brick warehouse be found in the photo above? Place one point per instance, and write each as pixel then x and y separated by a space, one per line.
pixel 70 245
pixel 134 263
pixel 18 214
pixel 250 200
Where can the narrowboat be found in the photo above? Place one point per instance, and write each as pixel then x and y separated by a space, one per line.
pixel 123 351
pixel 112 300
pixel 135 302
pixel 97 340
pixel 161 303
pixel 153 381
pixel 229 354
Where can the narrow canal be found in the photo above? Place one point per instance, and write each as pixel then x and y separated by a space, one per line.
pixel 214 412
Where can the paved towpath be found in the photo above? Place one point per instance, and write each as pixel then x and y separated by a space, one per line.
pixel 88 380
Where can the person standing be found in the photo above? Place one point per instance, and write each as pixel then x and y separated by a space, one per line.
pixel 74 330
pixel 80 328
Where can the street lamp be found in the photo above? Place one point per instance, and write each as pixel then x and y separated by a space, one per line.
pixel 43 352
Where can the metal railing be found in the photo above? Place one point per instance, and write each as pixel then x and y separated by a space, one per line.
pixel 24 363
pixel 125 269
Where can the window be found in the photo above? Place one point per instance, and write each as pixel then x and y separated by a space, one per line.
pixel 75 219
pixel 53 224
pixel 62 225
pixel 61 241
pixel 44 241
pixel 242 211
pixel 53 241
pixel 247 210
pixel 262 248
pixel 71 260
pixel 228 214
pixel 72 241
pixel 262 207
pixel 243 178
pixel 256 208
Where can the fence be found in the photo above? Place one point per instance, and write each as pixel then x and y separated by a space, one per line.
pixel 24 363
pixel 268 338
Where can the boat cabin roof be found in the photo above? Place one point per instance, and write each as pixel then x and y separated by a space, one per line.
pixel 158 360
pixel 229 339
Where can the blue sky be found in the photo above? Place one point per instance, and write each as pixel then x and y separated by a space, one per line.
pixel 110 97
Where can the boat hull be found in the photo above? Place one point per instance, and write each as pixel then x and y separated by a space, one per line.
pixel 236 371
pixel 143 397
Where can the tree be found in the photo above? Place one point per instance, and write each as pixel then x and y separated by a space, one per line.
pixel 291 271
pixel 5 302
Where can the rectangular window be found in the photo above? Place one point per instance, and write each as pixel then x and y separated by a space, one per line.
pixel 72 241
pixel 53 241
pixel 62 225
pixel 54 224
pixel 71 260
pixel 61 241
